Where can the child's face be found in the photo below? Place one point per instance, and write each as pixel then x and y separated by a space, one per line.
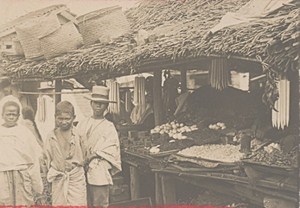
pixel 64 121
pixel 99 108
pixel 10 116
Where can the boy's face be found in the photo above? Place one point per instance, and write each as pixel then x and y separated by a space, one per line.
pixel 98 108
pixel 64 121
pixel 10 116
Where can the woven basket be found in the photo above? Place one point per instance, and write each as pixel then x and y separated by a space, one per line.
pixel 10 45
pixel 9 27
pixel 29 33
pixel 63 40
pixel 17 47
pixel 103 25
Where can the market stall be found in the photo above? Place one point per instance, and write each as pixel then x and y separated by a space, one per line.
pixel 217 137
pixel 268 155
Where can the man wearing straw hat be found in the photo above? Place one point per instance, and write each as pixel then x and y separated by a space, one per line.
pixel 101 148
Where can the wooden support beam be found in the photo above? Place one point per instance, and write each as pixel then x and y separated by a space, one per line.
pixel 294 100
pixel 183 80
pixel 157 98
pixel 158 190
pixel 168 188
pixel 134 183
pixel 58 88
pixel 56 93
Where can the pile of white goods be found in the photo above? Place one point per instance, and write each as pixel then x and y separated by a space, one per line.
pixel 217 152
pixel 217 126
pixel 174 130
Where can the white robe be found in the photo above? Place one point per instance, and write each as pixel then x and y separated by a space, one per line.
pixel 19 166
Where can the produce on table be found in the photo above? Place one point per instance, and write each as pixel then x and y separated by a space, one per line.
pixel 271 147
pixel 255 143
pixel 174 130
pixel 155 149
pixel 217 126
pixel 272 155
pixel 223 153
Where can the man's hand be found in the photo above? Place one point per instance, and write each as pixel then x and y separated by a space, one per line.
pixel 89 159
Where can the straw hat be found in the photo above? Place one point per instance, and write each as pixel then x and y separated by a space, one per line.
pixel 99 94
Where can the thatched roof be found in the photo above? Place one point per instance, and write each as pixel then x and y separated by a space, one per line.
pixel 191 18
pixel 274 39
pixel 183 26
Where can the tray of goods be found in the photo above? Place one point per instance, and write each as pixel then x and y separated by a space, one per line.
pixel 168 138
pixel 222 154
pixel 168 146
pixel 191 165
pixel 272 159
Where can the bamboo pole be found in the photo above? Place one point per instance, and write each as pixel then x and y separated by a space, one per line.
pixel 157 98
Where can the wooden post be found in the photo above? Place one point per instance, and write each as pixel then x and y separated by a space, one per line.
pixel 157 98
pixel 294 99
pixel 168 190
pixel 183 81
pixel 158 190
pixel 134 183
pixel 58 88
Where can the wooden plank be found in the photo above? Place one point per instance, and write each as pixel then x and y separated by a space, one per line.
pixel 134 183
pixel 158 190
pixel 56 93
pixel 186 63
pixel 68 16
pixel 157 98
pixel 168 187
pixel 130 163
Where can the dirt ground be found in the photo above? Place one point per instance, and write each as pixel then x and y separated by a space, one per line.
pixel 201 196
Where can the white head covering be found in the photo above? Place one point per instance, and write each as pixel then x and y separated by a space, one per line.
pixel 7 99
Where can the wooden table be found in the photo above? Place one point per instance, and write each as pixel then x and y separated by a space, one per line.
pixel 166 176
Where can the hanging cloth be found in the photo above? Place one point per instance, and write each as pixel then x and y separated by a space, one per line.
pixel 219 76
pixel 139 99
pixel 280 115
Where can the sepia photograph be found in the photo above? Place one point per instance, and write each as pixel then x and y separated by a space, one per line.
pixel 149 103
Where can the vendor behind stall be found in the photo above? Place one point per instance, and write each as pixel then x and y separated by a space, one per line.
pixel 146 121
